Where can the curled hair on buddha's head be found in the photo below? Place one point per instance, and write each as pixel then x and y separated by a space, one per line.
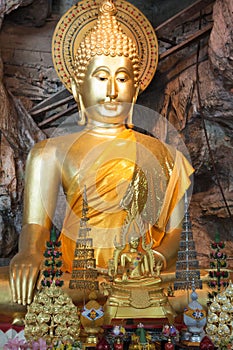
pixel 105 38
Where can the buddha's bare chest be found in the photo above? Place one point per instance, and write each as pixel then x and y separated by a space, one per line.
pixel 81 156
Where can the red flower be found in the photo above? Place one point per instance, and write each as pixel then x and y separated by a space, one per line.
pixel 214 245
pixel 221 245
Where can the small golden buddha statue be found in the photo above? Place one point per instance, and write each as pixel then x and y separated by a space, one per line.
pixel 134 262
pixel 136 290
pixel 124 171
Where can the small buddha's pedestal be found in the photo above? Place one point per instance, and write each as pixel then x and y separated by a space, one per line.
pixel 138 300
pixel 188 346
pixel 192 344
pixel 86 346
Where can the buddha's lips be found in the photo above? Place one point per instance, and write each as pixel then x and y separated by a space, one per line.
pixel 111 106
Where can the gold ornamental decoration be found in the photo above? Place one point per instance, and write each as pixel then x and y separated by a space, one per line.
pixel 80 18
pixel 52 316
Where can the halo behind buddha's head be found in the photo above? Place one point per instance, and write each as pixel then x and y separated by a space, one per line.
pixel 92 28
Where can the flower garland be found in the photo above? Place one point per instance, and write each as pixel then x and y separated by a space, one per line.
pixel 218 277
pixel 52 262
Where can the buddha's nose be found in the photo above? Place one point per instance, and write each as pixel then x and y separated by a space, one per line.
pixel 112 89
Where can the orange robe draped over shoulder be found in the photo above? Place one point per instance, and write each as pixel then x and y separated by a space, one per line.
pixel 160 177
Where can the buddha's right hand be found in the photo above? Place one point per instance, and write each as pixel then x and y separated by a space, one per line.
pixel 24 271
pixel 25 266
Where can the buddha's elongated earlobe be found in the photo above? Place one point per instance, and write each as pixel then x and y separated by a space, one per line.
pixel 79 101
pixel 82 115
pixel 130 116
pixel 74 88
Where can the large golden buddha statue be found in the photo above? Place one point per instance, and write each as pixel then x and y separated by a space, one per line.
pixel 124 171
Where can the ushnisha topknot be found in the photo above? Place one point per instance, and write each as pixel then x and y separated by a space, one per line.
pixel 105 38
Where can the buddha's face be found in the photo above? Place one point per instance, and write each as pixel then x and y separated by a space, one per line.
pixel 134 242
pixel 108 89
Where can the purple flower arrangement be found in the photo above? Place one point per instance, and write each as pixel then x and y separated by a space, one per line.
pixel 21 344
